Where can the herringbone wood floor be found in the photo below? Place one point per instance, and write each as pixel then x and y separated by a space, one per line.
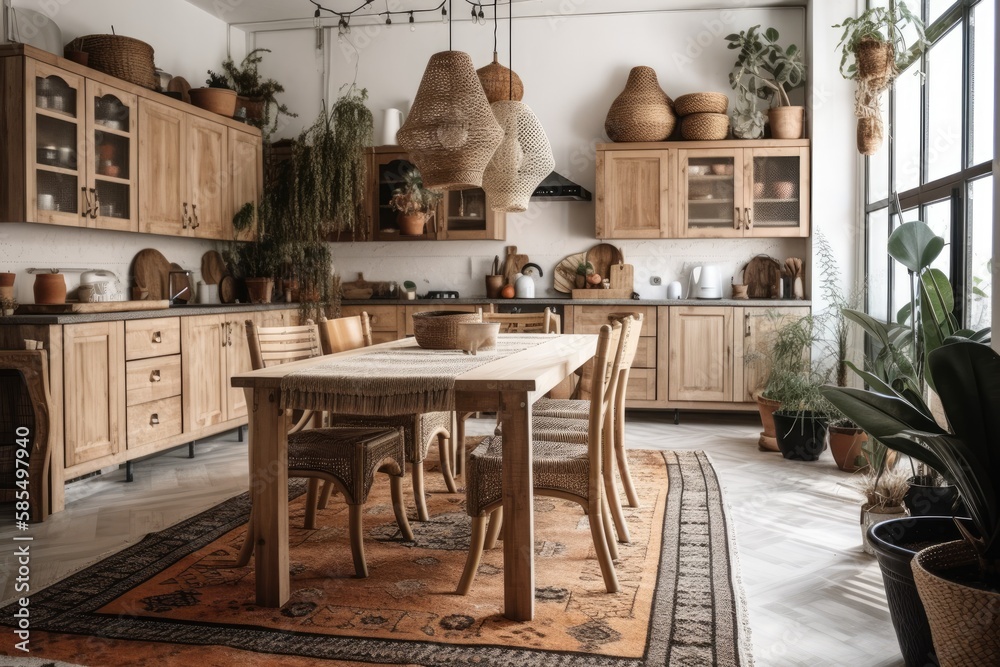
pixel 814 597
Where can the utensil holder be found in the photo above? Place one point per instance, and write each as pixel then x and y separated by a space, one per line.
pixel 493 286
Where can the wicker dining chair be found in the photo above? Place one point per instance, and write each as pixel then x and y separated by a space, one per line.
pixel 24 404
pixel 563 470
pixel 420 429
pixel 346 458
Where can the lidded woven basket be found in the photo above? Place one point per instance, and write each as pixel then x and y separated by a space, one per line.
pixel 522 160
pixel 438 329
pixel 123 57
pixel 685 105
pixel 451 133
pixel 705 126
pixel 642 112
pixel 497 80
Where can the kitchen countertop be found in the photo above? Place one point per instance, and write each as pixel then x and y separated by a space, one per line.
pixel 557 301
pixel 80 318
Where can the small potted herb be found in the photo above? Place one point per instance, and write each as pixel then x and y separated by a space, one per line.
pixel 414 204
pixel 764 70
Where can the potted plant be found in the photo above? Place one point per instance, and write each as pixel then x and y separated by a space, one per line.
pixel 583 269
pixel 413 204
pixel 765 70
pixel 800 424
pixel 873 47
pixel 253 255
pixel 883 490
pixel 217 97
pixel 956 580
pixel 256 94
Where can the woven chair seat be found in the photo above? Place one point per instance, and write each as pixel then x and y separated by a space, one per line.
pixel 557 466
pixel 425 425
pixel 560 429
pixel 567 408
pixel 342 452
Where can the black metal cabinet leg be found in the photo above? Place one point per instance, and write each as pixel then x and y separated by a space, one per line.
pixel 129 470
pixel 191 449
pixel 677 417
pixel 239 434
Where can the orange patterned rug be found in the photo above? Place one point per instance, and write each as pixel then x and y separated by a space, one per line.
pixel 165 601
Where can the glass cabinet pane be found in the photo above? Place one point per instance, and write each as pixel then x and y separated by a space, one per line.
pixel 392 174
pixel 776 191
pixel 711 192
pixel 56 192
pixel 466 210
pixel 58 138
pixel 54 94
pixel 112 154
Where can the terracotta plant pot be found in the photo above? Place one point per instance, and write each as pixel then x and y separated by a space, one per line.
pixel 259 289
pixel 7 279
pixel 786 122
pixel 79 57
pixel 412 224
pixel 766 407
pixel 50 288
pixel 253 105
pixel 845 443
pixel 217 100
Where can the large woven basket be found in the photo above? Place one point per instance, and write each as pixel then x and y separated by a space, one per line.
pixel 964 620
pixel 438 329
pixel 123 57
pixel 705 126
pixel 642 112
pixel 685 105
pixel 876 62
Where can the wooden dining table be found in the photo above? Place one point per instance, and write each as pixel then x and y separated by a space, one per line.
pixel 507 383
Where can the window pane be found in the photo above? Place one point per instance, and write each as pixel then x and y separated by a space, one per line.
pixel 906 114
pixel 878 166
pixel 944 96
pixel 983 40
pixel 878 264
pixel 978 309
pixel 900 276
pixel 935 8
pixel 938 218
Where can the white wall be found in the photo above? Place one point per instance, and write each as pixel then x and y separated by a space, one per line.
pixel 573 66
pixel 187 41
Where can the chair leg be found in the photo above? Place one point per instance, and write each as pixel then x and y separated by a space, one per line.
pixel 246 551
pixel 398 507
pixel 356 531
pixel 449 480
pixel 623 471
pixel 459 432
pixel 493 532
pixel 324 497
pixel 609 528
pixel 312 496
pixel 476 541
pixel 419 500
pixel 601 547
pixel 611 495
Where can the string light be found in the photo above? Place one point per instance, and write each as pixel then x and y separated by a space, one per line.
pixel 444 14
pixel 318 24
pixel 388 21
pixel 413 26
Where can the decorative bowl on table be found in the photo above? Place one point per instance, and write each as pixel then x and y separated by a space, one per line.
pixel 474 337
pixel 438 329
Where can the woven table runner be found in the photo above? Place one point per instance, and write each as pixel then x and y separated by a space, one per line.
pixel 392 381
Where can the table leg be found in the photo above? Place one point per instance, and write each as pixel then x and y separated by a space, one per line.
pixel 518 508
pixel 269 491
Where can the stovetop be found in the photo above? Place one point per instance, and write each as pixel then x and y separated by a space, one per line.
pixel 442 294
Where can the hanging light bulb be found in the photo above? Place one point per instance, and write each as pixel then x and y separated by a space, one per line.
pixel 388 21
pixel 444 14
pixel 473 12
pixel 318 25
pixel 413 26
pixel 482 16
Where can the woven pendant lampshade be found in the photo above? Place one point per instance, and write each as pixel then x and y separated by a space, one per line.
pixel 523 159
pixel 451 133
pixel 642 112
pixel 497 82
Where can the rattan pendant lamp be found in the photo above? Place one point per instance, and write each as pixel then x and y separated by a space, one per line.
pixel 524 157
pixel 451 133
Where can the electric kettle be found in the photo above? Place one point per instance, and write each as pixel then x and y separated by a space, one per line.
pixel 705 283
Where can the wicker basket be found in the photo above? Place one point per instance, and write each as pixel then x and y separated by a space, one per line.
pixel 963 619
pixel 123 57
pixel 876 62
pixel 685 105
pixel 705 126
pixel 642 112
pixel 438 329
pixel 870 135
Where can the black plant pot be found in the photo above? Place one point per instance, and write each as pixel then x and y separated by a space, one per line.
pixel 895 543
pixel 801 435
pixel 924 498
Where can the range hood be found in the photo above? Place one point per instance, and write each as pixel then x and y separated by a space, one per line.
pixel 560 188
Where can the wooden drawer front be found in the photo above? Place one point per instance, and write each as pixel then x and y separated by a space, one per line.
pixel 382 318
pixel 152 379
pixel 641 385
pixel 645 354
pixel 383 336
pixel 590 319
pixel 155 420
pixel 152 338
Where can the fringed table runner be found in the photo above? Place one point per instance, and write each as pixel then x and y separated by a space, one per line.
pixel 393 380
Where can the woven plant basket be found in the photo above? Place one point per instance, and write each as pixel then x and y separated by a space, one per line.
pixel 869 135
pixel 451 133
pixel 523 159
pixel 965 621
pixel 705 126
pixel 438 329
pixel 876 62
pixel 685 105
pixel 642 112
pixel 123 57
pixel 496 80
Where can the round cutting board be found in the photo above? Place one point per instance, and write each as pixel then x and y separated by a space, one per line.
pixel 603 256
pixel 150 270
pixel 213 267
pixel 564 278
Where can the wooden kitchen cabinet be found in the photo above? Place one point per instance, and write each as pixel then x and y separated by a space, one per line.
pixel 755 330
pixel 208 176
pixel 162 169
pixel 94 393
pixel 711 189
pixel 246 179
pixel 701 354
pixel 203 367
pixel 112 162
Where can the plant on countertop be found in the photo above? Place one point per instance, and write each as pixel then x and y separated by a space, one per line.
pixel 763 71
pixel 247 81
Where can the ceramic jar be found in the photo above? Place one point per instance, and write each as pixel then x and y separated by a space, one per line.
pixel 50 288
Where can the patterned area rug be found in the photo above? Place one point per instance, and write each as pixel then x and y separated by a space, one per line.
pixel 165 601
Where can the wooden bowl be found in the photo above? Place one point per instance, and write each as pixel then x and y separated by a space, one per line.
pixel 438 329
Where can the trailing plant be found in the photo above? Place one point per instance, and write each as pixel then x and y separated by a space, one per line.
pixel 413 197
pixel 247 81
pixel 878 24
pixel 216 80
pixel 353 123
pixel 763 71
pixel 243 219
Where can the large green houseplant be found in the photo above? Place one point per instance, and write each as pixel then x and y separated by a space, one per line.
pixel 765 71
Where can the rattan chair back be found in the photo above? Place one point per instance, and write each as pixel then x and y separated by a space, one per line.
pixel 544 322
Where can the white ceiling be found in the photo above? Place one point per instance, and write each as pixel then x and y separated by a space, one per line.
pixel 256 14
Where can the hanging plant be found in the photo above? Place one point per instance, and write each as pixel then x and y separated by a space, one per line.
pixel 352 122
pixel 259 93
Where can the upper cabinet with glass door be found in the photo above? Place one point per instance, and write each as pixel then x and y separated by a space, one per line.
pixel 112 166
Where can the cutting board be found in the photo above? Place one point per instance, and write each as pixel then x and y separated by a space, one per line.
pixel 603 256
pixel 762 275
pixel 622 277
pixel 213 267
pixel 150 270
pixel 602 294
pixel 90 307
pixel 512 264
pixel 564 278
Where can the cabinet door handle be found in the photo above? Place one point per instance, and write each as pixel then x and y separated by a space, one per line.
pixel 88 207
pixel 373 319
pixel 224 325
pixel 737 221
pixel 746 325
pixel 157 337
pixel 194 216
pixel 154 376
pixel 184 216
pixel 97 204
pixel 229 334
pixel 154 419
pixel 749 217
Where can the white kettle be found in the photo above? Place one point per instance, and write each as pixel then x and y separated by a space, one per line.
pixel 705 283
pixel 524 284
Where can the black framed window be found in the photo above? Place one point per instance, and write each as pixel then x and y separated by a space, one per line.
pixel 937 159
